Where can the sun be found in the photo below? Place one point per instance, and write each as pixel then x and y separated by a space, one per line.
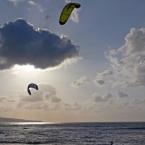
pixel 25 70
pixel 28 73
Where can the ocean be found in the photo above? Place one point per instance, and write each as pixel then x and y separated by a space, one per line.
pixel 72 133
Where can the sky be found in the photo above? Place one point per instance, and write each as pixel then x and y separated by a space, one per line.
pixel 89 70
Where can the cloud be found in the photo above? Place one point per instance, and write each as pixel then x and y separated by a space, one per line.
pixel 2 99
pixel 101 82
pixel 36 5
pixel 139 102
pixel 7 103
pixel 15 2
pixel 46 99
pixel 41 98
pixel 75 14
pixel 6 99
pixel 127 63
pixel 33 98
pixel 32 3
pixel 80 82
pixel 105 98
pixel 49 93
pixel 73 107
pixel 67 1
pixel 55 99
pixel 21 44
pixel 122 94
pixel 36 106
pixel 101 77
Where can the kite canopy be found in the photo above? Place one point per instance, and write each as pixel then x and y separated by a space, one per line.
pixel 66 12
pixel 32 85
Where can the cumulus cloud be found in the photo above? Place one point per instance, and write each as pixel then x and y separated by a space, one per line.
pixel 36 5
pixel 67 1
pixel 127 63
pixel 80 82
pixel 33 98
pixel 101 82
pixel 6 99
pixel 55 99
pixel 15 2
pixel 138 101
pixel 46 99
pixel 49 93
pixel 75 16
pixel 7 103
pixel 46 94
pixel 122 94
pixel 32 3
pixel 105 98
pixel 101 77
pixel 2 99
pixel 21 44
pixel 72 107
pixel 37 106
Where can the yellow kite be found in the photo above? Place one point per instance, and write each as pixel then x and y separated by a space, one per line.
pixel 66 12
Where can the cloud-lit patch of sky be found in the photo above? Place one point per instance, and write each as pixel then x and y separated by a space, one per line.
pixel 106 84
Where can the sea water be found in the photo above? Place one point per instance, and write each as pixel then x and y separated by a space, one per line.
pixel 72 133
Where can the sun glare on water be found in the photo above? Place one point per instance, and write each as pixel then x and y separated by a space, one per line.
pixel 32 123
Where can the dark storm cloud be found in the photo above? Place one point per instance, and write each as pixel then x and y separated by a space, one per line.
pixel 21 44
